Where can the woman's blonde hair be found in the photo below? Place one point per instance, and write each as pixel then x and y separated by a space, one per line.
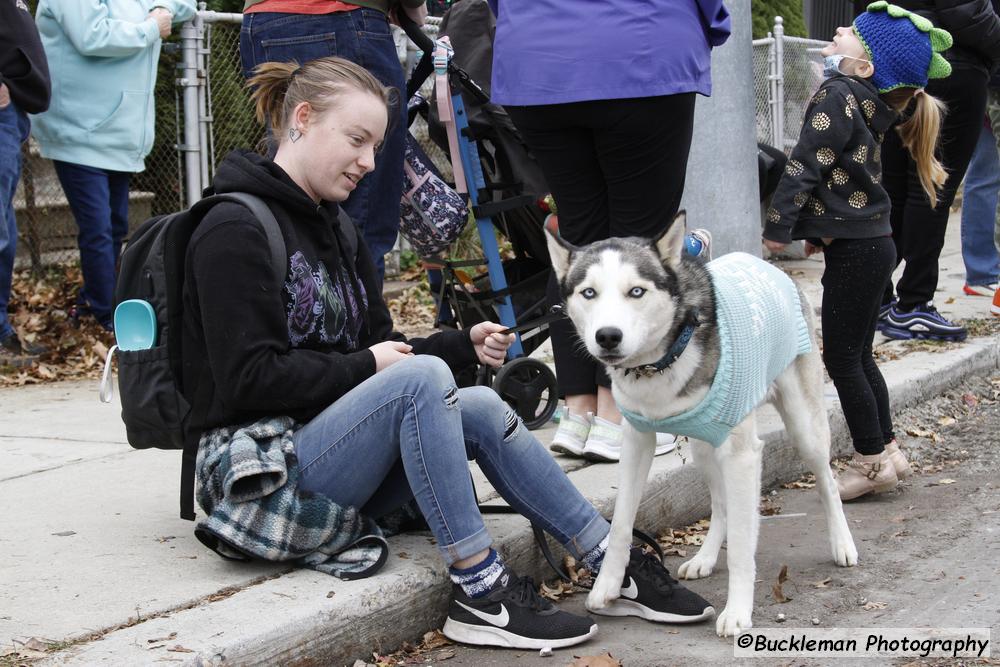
pixel 280 87
pixel 920 134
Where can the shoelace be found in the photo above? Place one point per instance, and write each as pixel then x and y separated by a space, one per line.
pixel 653 569
pixel 524 593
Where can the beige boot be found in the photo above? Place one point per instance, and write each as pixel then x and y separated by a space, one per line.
pixel 866 474
pixel 899 462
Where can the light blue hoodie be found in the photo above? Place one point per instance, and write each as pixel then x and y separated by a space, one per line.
pixel 102 56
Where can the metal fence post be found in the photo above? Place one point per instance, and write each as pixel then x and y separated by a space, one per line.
pixel 189 82
pixel 203 115
pixel 779 83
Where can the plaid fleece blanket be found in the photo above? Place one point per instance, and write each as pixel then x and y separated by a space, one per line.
pixel 247 485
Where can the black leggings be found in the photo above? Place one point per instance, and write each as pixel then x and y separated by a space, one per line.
pixel 857 271
pixel 616 168
pixel 918 229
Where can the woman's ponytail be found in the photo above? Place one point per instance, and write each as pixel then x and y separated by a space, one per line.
pixel 919 134
pixel 269 84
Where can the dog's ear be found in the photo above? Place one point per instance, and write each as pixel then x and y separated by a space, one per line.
pixel 669 245
pixel 559 252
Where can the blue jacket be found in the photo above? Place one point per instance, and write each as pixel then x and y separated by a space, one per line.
pixel 103 57
pixel 556 51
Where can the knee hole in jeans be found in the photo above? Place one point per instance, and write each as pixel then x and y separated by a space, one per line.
pixel 450 397
pixel 511 424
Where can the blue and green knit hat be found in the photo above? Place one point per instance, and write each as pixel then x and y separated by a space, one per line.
pixel 904 47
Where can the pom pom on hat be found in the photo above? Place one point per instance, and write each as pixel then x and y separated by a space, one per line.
pixel 905 48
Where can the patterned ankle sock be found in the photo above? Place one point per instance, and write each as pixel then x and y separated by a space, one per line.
pixel 592 559
pixel 479 579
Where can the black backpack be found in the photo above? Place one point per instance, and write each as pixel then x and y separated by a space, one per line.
pixel 154 407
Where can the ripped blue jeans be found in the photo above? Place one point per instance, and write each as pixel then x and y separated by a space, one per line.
pixel 407 432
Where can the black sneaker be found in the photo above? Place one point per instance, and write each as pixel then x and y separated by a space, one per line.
pixel 649 592
pixel 513 615
pixel 18 354
pixel 922 322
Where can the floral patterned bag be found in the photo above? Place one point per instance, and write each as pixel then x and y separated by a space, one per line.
pixel 432 215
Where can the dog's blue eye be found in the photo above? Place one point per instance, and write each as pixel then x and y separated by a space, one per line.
pixel 636 292
pixel 588 293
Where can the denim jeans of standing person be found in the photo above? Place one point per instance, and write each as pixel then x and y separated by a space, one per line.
pixel 407 432
pixel 14 127
pixel 361 36
pixel 98 199
pixel 979 212
pixel 993 111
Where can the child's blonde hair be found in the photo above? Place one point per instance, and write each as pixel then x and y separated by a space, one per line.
pixel 280 87
pixel 920 133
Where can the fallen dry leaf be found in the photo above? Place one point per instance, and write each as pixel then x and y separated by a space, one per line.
pixel 942 482
pixel 822 584
pixel 776 588
pixel 177 648
pixel 869 606
pixel 970 400
pixel 603 660
pixel 919 433
pixel 435 639
pixel 172 635
pixel 946 421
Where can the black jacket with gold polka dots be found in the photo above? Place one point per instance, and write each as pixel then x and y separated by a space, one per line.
pixel 832 185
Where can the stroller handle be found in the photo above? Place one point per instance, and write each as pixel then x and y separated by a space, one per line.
pixel 426 44
pixel 413 31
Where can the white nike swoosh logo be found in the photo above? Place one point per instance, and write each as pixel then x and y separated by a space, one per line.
pixel 500 619
pixel 631 591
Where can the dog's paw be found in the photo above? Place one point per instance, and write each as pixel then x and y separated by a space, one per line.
pixel 696 568
pixel 732 622
pixel 845 554
pixel 603 592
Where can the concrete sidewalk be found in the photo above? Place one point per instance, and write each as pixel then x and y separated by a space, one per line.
pixel 95 559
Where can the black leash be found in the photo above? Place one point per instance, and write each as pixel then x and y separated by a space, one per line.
pixel 543 543
pixel 555 313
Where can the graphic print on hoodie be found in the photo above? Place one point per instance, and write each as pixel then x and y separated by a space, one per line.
pixel 319 306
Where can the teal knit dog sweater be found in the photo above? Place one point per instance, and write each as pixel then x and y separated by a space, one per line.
pixel 761 331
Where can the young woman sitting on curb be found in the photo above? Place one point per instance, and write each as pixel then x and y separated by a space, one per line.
pixel 344 420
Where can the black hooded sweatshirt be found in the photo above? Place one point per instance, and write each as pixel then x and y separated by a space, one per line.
pixel 832 185
pixel 250 352
pixel 22 61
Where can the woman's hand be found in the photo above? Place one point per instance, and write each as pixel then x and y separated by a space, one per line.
pixel 774 246
pixel 4 96
pixel 490 345
pixel 389 352
pixel 163 19
pixel 812 249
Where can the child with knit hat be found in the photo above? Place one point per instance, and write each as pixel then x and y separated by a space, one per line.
pixel 831 196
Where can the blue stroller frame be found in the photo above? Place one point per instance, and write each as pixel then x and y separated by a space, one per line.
pixel 526 383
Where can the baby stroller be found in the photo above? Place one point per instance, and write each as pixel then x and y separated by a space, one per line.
pixel 486 155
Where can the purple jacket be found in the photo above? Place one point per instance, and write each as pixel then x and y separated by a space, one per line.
pixel 556 51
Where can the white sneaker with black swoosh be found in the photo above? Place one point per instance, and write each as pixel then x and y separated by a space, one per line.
pixel 513 615
pixel 648 591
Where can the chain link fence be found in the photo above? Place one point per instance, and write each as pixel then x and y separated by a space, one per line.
pixel 786 73
pixel 203 111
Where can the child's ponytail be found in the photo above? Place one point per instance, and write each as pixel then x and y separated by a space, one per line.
pixel 920 136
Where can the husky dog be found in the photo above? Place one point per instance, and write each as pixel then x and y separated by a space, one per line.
pixel 674 342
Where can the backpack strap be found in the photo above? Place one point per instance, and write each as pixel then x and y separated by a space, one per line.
pixel 279 261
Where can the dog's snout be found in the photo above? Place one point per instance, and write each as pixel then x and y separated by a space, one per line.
pixel 608 337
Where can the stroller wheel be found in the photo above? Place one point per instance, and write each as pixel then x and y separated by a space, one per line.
pixel 529 387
